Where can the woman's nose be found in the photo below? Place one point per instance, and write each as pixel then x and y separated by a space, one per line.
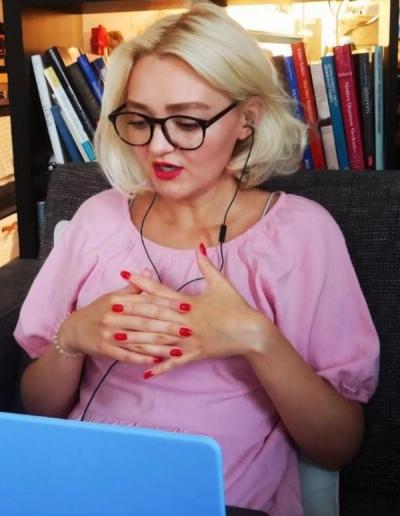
pixel 159 143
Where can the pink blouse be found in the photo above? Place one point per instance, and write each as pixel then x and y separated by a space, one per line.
pixel 292 265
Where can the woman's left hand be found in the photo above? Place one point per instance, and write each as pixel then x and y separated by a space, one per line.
pixel 222 323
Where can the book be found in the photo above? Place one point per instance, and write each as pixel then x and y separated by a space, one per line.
pixel 365 90
pixel 347 83
pixel 324 115
pixel 91 76
pixel 77 79
pixel 100 67
pixel 72 149
pixel 308 101
pixel 45 100
pixel 71 118
pixel 55 57
pixel 332 91
pixel 293 90
pixel 378 104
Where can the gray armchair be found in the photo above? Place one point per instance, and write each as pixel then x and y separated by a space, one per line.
pixel 366 205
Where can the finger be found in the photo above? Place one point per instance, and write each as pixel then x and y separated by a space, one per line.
pixel 168 365
pixel 141 341
pixel 133 289
pixel 124 355
pixel 160 353
pixel 176 305
pixel 151 286
pixel 207 268
pixel 153 311
pixel 140 323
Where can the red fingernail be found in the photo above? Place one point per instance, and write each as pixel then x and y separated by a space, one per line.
pixel 158 360
pixel 120 336
pixel 117 308
pixel 185 307
pixel 176 352
pixel 185 332
pixel 202 249
pixel 125 274
pixel 148 374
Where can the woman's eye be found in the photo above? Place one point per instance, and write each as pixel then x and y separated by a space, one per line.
pixel 138 124
pixel 187 126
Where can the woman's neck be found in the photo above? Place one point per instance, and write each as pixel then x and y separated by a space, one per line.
pixel 203 211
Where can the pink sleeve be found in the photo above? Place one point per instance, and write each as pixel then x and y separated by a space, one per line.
pixel 54 291
pixel 324 312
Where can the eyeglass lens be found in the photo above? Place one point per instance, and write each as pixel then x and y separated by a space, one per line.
pixel 182 131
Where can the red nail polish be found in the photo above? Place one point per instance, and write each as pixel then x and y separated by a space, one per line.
pixel 158 360
pixel 185 307
pixel 176 352
pixel 148 374
pixel 185 332
pixel 120 336
pixel 117 308
pixel 125 274
pixel 202 249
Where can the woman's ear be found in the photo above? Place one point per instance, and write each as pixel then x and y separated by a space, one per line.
pixel 252 110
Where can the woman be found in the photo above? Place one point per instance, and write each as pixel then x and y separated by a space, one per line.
pixel 185 298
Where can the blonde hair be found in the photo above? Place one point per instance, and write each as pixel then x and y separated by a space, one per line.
pixel 224 54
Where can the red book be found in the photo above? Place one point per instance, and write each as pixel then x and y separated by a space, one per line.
pixel 308 102
pixel 347 83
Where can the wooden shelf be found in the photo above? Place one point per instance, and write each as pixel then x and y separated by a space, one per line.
pixel 7 200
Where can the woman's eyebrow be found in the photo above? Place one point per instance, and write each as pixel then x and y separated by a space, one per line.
pixel 172 108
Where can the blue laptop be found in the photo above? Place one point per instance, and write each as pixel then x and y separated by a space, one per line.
pixel 57 467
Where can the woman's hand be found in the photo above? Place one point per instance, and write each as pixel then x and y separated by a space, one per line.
pixel 222 323
pixel 127 325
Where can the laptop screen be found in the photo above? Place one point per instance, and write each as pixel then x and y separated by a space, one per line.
pixel 57 467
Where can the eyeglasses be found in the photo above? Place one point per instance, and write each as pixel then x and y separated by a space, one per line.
pixel 183 132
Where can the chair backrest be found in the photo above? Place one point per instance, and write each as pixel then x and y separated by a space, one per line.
pixel 366 205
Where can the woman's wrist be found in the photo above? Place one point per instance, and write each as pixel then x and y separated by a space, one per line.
pixel 264 334
pixel 60 343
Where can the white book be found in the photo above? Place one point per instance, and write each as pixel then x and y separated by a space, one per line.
pixel 45 101
pixel 71 118
pixel 324 115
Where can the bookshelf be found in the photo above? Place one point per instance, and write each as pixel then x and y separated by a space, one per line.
pixel 32 26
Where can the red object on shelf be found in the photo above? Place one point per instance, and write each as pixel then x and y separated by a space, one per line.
pixel 99 40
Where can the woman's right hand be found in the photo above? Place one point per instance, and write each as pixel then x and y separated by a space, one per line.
pixel 126 325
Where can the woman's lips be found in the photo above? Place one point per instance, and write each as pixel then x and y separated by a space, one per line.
pixel 165 175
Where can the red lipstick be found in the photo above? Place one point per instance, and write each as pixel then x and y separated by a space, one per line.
pixel 166 171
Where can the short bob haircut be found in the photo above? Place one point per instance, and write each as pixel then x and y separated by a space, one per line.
pixel 224 54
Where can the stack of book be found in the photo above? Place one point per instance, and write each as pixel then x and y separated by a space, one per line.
pixel 70 88
pixel 341 100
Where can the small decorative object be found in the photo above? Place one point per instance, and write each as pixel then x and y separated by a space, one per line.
pixel 99 40
pixel 115 38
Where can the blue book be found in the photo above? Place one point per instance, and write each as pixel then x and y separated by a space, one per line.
pixel 100 68
pixel 328 66
pixel 299 113
pixel 378 98
pixel 65 135
pixel 91 76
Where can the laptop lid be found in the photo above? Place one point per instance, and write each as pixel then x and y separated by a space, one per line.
pixel 57 467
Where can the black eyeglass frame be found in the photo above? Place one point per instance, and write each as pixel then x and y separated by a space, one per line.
pixel 152 121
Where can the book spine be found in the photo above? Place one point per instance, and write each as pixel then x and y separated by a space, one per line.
pixel 378 98
pixel 66 136
pixel 364 82
pixel 293 89
pixel 91 77
pixel 100 66
pixel 328 67
pixel 58 66
pixel 349 101
pixel 308 100
pixel 45 101
pixel 71 118
pixel 82 88
pixel 324 115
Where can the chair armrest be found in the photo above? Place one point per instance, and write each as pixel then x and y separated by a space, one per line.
pixel 15 280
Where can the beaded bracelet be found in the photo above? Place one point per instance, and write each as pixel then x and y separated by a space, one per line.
pixel 61 350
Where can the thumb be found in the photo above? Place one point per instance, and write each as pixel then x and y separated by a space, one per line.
pixel 210 272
